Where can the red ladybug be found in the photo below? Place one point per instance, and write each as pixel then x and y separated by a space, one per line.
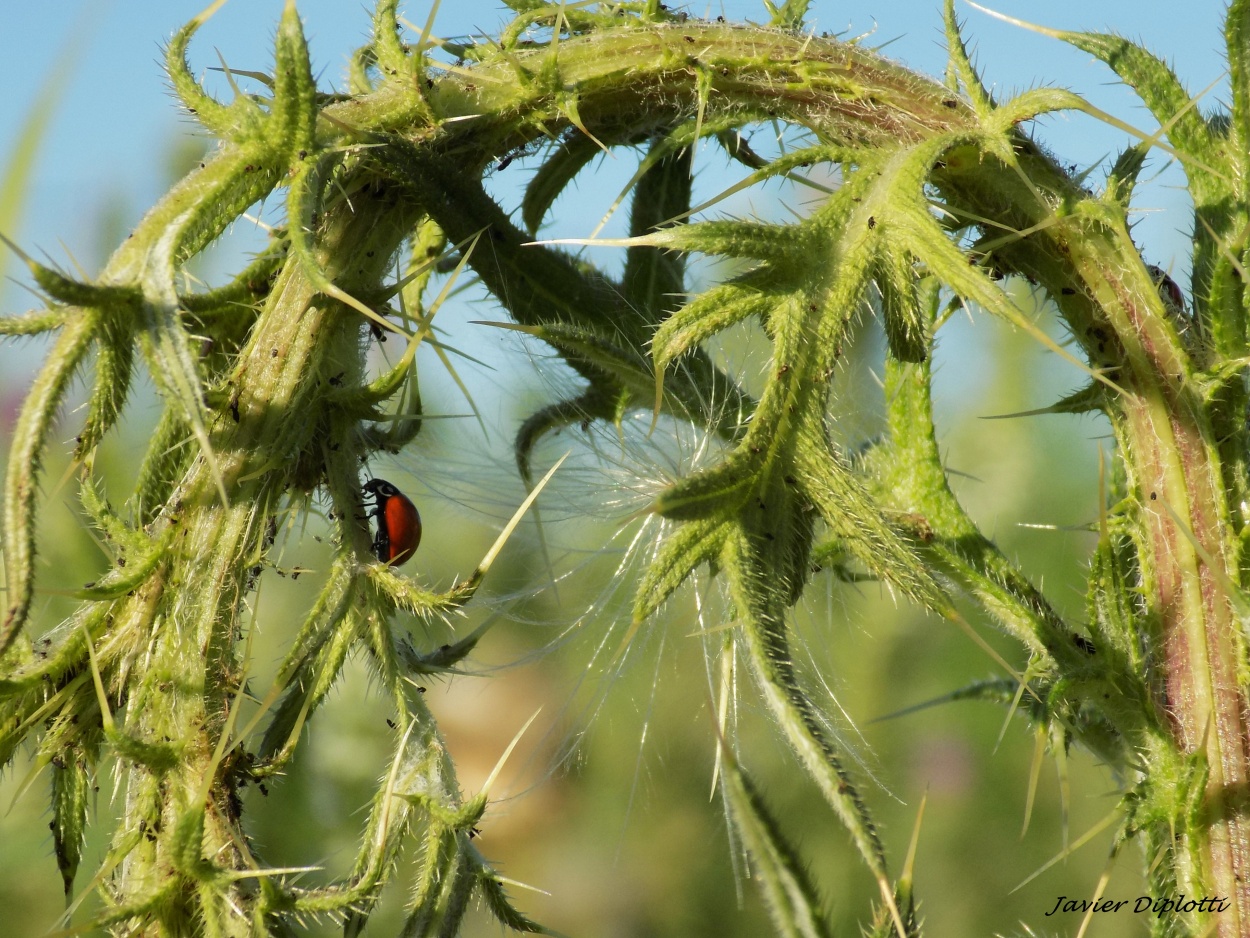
pixel 399 525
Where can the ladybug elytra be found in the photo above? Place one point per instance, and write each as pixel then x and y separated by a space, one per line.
pixel 399 524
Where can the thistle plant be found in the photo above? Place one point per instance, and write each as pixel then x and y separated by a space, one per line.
pixel 270 410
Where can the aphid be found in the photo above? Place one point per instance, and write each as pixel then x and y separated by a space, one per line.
pixel 399 525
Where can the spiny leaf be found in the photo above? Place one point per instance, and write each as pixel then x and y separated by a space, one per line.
pixel 392 58
pixel 1237 43
pixel 611 355
pixel 911 477
pixel 959 69
pixel 496 899
pixel 72 786
pixel 780 244
pixel 857 520
pixel 26 452
pixel 713 492
pixel 791 896
pixel 920 232
pixel 593 405
pixel 654 279
pixel 308 684
pixel 895 277
pixel 124 580
pixel 36 321
pixel 1122 177
pixel 240 295
pixel 114 367
pixel 167 456
pixel 761 612
pixel 1158 87
pixel 73 292
pixel 707 315
pixel 694 543
pixel 788 14
pixel 565 162
pixel 220 119
pixel 294 112
pixel 168 348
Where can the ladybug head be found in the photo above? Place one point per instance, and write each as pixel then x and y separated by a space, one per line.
pixel 380 488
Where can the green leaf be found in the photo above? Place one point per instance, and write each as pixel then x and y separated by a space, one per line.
pixel 294 112
pixel 694 543
pixel 705 316
pixel 1237 42
pixel 26 452
pixel 780 244
pixel 854 517
pixel 36 321
pixel 72 786
pixel 114 371
pixel 1158 87
pixel 1122 177
pixel 895 276
pixel 777 868
pixel 592 405
pixel 959 69
pixel 566 161
pixel 309 680
pixel 787 15
pixel 714 493
pixel 221 120
pixel 654 280
pixel 760 609
pixel 391 56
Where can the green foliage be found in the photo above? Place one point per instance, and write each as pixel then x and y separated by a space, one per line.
pixel 270 409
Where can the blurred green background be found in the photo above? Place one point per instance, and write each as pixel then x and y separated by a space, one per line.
pixel 606 807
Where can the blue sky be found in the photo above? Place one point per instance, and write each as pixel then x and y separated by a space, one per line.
pixel 115 125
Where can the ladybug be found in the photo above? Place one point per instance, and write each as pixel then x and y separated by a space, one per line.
pixel 399 524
